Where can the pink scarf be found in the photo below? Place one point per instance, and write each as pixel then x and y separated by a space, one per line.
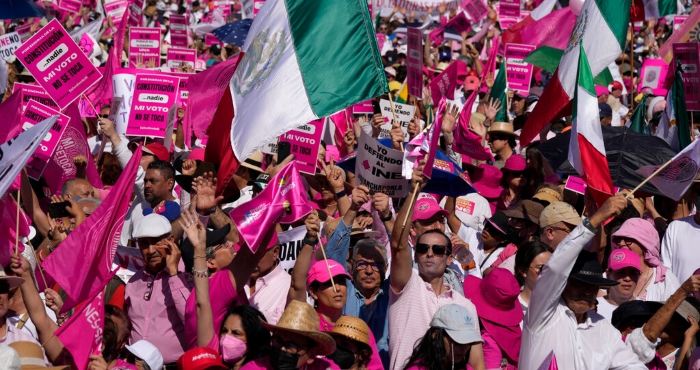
pixel 648 238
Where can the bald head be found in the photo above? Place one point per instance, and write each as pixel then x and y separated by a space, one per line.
pixel 77 187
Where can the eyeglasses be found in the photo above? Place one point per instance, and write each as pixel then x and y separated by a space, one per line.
pixel 560 229
pixel 149 291
pixel 438 250
pixel 362 265
pixel 105 116
pixel 290 347
pixel 537 269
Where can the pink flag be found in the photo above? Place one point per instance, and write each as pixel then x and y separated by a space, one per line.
pixel 73 143
pixel 459 23
pixel 8 215
pixel 206 89
pixel 437 35
pixel 83 263
pixel 549 363
pixel 553 30
pixel 283 200
pixel 342 121
pixel 82 333
pixel 11 111
pixel 101 93
pixel 431 140
pixel 466 142
pixel 444 84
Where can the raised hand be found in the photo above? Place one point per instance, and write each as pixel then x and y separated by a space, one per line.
pixel 196 232
pixel 494 105
pixel 205 189
pixel 380 202
pixel 360 196
pixel 334 175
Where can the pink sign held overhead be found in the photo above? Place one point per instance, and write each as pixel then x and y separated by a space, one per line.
pixel 24 31
pixel 364 107
pixel 35 93
pixel 688 54
pixel 476 9
pixel 653 73
pixel 678 20
pixel 115 9
pixel 459 23
pixel 58 64
pixel 414 62
pixel 144 47
pixel 135 12
pixel 181 60
pixel 506 22
pixel 72 6
pixel 33 114
pixel 509 8
pixel 210 39
pixel 305 142
pixel 178 31
pixel 518 73
pixel 153 104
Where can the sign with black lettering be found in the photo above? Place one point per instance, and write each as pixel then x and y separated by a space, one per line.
pixel 379 168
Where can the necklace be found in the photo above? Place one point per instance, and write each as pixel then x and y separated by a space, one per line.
pixel 646 282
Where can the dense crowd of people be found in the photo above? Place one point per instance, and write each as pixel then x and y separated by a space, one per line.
pixel 523 272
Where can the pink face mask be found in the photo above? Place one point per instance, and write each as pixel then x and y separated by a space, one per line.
pixel 232 348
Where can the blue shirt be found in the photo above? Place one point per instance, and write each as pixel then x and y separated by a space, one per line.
pixel 376 314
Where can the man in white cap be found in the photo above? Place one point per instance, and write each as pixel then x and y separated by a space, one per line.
pixel 156 296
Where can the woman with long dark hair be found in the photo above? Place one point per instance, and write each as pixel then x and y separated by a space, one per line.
pixel 450 343
pixel 529 261
pixel 242 336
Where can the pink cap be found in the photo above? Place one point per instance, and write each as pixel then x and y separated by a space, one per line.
pixel 319 272
pixel 601 90
pixel 426 208
pixel 515 162
pixel 623 257
pixel 196 154
pixel 471 83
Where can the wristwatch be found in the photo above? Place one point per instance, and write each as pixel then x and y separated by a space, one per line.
pixel 587 224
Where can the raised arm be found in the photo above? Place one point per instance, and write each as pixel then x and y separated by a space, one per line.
pixel 335 179
pixel 338 243
pixel 297 291
pixel 205 189
pixel 31 205
pixel 401 264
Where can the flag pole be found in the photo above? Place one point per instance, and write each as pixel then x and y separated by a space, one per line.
pixel 38 264
pixel 325 259
pixel 629 195
pixel 631 92
pixel 393 112
pixel 410 202
pixel 19 196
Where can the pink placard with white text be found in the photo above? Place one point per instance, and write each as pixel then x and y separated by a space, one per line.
pixel 72 6
pixel 24 31
pixel 178 31
pixel 33 114
pixel 144 46
pixel 476 9
pixel 155 96
pixel 518 73
pixel 257 4
pixel 210 39
pixel 181 58
pixel 509 8
pixel 364 107
pixel 414 61
pixel 305 141
pixel 678 20
pixel 58 64
pixel 33 92
pixel 115 9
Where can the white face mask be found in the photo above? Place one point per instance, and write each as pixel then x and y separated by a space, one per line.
pixel 640 40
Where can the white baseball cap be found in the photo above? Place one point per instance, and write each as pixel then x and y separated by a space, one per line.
pixel 146 351
pixel 152 226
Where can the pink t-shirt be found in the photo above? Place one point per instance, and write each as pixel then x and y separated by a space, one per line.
pixel 264 364
pixel 375 362
pixel 123 365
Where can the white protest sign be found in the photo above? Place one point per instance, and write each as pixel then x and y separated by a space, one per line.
pixel 8 44
pixel 379 168
pixel 290 242
pixel 404 114
pixel 123 87
pixel 129 260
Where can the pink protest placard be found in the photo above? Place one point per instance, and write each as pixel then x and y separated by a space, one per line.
pixel 509 8
pixel 518 73
pixel 115 9
pixel 33 114
pixel 678 20
pixel 476 9
pixel 86 44
pixel 154 97
pixel 414 61
pixel 135 14
pixel 58 64
pixel 459 23
pixel 72 6
pixel 653 73
pixel 257 4
pixel 178 31
pixel 577 185
pixel 688 54
pixel 179 59
pixel 305 142
pixel 144 47
pixel 381 39
pixel 506 22
pixel 35 93
pixel 363 108
pixel 210 39
pixel 24 31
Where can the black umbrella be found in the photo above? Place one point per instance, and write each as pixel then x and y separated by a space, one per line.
pixel 17 9
pixel 626 151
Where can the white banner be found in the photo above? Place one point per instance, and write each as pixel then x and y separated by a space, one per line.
pixel 404 115
pixel 15 153
pixel 379 168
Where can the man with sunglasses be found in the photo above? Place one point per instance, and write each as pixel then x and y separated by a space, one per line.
pixel 557 220
pixel 560 319
pixel 155 297
pixel 415 296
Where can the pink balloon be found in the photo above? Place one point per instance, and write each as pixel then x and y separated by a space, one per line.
pixel 576 5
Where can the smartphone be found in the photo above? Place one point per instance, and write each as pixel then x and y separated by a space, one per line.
pixel 58 210
pixel 375 106
pixel 283 150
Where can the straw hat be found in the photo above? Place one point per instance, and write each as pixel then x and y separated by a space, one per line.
pixel 300 318
pixel 352 328
pixel 502 128
pixel 32 357
pixel 13 281
pixel 254 162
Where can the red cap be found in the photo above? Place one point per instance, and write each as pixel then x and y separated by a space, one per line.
pixel 200 358
pixel 616 85
pixel 158 150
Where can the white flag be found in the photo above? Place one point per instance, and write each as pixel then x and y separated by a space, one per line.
pixel 674 180
pixel 15 153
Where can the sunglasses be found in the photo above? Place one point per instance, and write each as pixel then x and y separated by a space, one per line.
pixel 105 116
pixel 516 173
pixel 438 250
pixel 496 137
pixel 362 265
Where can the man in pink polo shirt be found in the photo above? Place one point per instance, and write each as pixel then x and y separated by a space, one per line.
pixel 416 296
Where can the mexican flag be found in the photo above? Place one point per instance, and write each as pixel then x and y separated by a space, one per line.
pixel 601 29
pixel 586 148
pixel 674 127
pixel 303 61
pixel 498 91
pixel 662 8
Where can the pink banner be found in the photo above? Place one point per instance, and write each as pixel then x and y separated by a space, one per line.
pixel 653 73
pixel 476 9
pixel 115 9
pixel 305 143
pixel 58 64
pixel 154 98
pixel 33 114
pixel 688 54
pixel 444 84
pixel 33 92
pixel 72 6
pixel 433 138
pixel 81 335
pixel 414 62
pixel 364 108
pixel 459 23
pixel 678 20
pixel 181 58
pixel 178 31
pixel 144 47
pixel 518 73
pixel 509 8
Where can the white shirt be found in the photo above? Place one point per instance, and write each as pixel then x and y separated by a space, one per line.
pixel 246 195
pixel 605 309
pixel 472 209
pixel 679 248
pixel 663 290
pixel 29 327
pixel 550 325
